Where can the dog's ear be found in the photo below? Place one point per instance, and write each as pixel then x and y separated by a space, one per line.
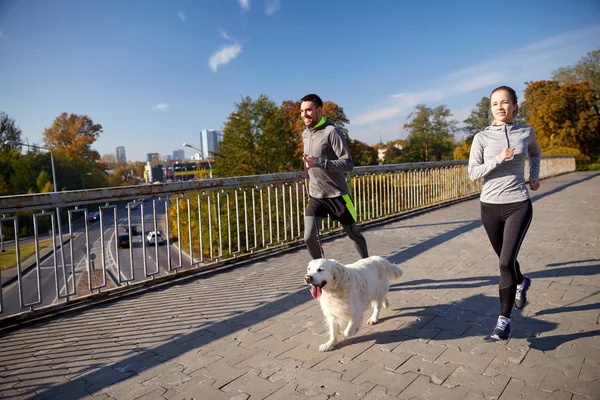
pixel 337 273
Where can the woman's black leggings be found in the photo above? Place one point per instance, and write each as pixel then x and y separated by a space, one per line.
pixel 506 226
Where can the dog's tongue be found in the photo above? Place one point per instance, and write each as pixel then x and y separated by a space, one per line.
pixel 315 291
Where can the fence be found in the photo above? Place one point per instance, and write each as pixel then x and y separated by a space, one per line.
pixel 205 224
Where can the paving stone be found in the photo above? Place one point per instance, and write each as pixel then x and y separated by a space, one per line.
pixel 288 392
pixel 532 376
pixel 437 372
pixel 128 389
pixel 221 372
pixel 422 388
pixel 517 389
pixel 304 378
pixel 429 350
pixel 265 364
pixel 274 346
pixel 476 363
pixel 309 356
pixel 489 387
pixel 390 360
pixel 557 381
pixel 395 382
pixel 348 368
pixel 253 385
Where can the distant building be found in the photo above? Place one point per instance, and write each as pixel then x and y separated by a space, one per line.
pixel 196 157
pixel 152 157
pixel 209 139
pixel 178 155
pixel 120 155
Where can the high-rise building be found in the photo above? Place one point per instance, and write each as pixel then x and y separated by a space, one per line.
pixel 152 157
pixel 120 156
pixel 178 155
pixel 209 138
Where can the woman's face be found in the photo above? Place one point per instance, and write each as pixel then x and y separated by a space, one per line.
pixel 503 109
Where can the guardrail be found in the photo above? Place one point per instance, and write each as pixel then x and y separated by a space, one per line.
pixel 205 224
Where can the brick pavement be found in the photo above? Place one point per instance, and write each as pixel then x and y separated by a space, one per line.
pixel 252 332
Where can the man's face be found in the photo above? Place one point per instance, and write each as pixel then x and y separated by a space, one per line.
pixel 311 115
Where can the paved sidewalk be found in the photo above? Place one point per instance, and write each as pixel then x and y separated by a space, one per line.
pixel 253 332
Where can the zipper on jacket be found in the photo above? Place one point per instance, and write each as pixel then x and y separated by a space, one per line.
pixel 506 133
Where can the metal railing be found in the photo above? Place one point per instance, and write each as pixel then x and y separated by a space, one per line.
pixel 204 224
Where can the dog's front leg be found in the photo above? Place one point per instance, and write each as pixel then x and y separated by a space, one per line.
pixel 353 325
pixel 333 335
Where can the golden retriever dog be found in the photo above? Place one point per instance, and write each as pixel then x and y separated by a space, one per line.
pixel 345 292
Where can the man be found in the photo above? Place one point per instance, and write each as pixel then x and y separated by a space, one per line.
pixel 327 159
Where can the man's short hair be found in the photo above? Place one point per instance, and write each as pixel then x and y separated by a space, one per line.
pixel 316 100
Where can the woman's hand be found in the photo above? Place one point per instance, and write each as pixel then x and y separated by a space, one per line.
pixel 507 154
pixel 534 184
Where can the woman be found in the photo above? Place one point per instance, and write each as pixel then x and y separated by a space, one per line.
pixel 498 155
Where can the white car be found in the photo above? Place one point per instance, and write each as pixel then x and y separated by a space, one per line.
pixel 154 237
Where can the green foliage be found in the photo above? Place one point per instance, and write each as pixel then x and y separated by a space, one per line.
pixel 586 69
pixel 44 182
pixel 431 135
pixel 479 119
pixel 362 153
pixel 8 130
pixel 256 140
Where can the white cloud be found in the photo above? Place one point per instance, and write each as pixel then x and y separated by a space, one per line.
pixel 532 62
pixel 181 15
pixel 224 35
pixel 245 4
pixel 272 6
pixel 224 56
pixel 161 106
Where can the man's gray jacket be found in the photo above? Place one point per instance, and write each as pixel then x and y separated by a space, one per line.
pixel 325 142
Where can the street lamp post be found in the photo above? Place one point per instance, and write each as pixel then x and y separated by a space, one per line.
pixel 209 164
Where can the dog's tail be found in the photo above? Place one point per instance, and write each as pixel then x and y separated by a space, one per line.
pixel 393 270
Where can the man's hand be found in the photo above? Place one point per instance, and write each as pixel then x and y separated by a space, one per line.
pixel 534 184
pixel 309 161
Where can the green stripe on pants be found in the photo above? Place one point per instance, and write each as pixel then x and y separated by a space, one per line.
pixel 350 206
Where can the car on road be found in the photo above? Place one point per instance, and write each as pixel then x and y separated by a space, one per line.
pixel 134 230
pixel 123 239
pixel 93 216
pixel 154 237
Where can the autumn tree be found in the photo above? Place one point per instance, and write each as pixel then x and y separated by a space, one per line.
pixel 431 135
pixel 72 136
pixel 565 116
pixel 586 69
pixel 362 154
pixel 8 129
pixel 256 140
pixel 108 161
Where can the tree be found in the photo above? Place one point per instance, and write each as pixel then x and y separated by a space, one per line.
pixel 479 119
pixel 431 134
pixel 72 136
pixel 8 129
pixel 256 140
pixel 395 151
pixel 362 153
pixel 565 115
pixel 108 161
pixel 122 175
pixel 587 69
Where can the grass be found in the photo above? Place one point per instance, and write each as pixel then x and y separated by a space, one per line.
pixel 8 258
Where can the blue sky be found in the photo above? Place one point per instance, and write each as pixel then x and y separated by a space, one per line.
pixel 155 73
